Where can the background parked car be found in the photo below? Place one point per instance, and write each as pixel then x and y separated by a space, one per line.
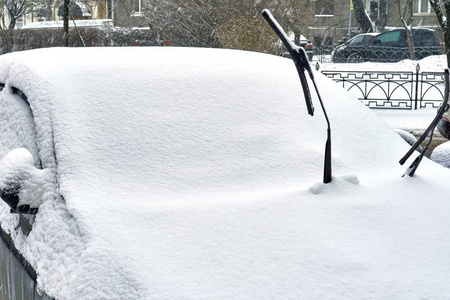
pixel 389 46
pixel 346 51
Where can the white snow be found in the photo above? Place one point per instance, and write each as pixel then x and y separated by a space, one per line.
pixel 17 168
pixel 435 63
pixel 408 137
pixel 407 119
pixel 441 154
pixel 196 174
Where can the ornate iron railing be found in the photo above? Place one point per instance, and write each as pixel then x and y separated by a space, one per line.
pixel 403 90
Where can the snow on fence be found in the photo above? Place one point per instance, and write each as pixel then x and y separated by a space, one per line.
pixel 390 89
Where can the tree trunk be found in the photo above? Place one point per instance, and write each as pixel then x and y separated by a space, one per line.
pixel 12 20
pixel 447 47
pixel 49 11
pixel 383 14
pixel 12 23
pixel 444 22
pixel 66 22
pixel 362 17
pixel 297 35
pixel 410 40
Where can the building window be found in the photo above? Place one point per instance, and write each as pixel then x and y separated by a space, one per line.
pixel 137 11
pixel 421 7
pixel 324 8
pixel 374 12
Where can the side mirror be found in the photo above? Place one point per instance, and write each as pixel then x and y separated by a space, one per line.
pixel 22 186
pixel 10 195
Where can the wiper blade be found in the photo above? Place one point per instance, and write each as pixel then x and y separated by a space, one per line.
pixel 300 59
pixel 298 55
pixel 429 131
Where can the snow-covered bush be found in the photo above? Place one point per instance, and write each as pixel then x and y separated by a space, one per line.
pixel 132 36
pixel 26 39
pixel 441 155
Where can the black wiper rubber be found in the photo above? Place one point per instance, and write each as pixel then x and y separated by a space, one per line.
pixel 429 131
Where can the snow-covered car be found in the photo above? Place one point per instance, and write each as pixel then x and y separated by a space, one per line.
pixel 188 173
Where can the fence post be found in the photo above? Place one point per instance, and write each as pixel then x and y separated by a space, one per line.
pixel 417 84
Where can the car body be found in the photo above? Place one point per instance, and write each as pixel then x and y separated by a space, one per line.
pixel 344 52
pixel 194 173
pixel 389 46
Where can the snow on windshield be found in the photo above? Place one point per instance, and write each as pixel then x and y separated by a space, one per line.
pixel 196 173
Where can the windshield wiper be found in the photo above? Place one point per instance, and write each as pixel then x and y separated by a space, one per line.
pixel 429 131
pixel 300 59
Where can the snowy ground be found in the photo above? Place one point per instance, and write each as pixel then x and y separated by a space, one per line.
pixel 435 63
pixel 212 187
pixel 413 121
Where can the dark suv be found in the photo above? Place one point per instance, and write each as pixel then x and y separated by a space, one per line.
pixel 389 46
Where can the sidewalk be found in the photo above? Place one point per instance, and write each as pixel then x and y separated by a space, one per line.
pixel 412 121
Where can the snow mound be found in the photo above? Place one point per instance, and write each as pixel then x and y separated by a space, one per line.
pixel 441 154
pixel 17 171
pixel 408 137
pixel 339 183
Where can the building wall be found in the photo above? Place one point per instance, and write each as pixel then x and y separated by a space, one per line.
pixel 333 28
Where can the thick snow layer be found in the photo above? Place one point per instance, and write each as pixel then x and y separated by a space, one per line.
pixel 196 173
pixel 409 138
pixel 17 169
pixel 441 155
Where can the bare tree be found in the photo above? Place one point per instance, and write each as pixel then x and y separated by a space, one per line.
pixel 406 17
pixel 362 17
pixel 185 22
pixel 442 11
pixel 195 22
pixel 293 15
pixel 14 10
pixel 249 33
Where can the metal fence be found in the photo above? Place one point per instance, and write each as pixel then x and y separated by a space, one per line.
pixel 389 89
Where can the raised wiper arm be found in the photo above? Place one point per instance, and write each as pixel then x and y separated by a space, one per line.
pixel 429 131
pixel 298 55
pixel 300 59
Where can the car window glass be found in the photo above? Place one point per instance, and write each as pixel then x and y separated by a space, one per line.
pixel 389 39
pixel 424 38
pixel 357 40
